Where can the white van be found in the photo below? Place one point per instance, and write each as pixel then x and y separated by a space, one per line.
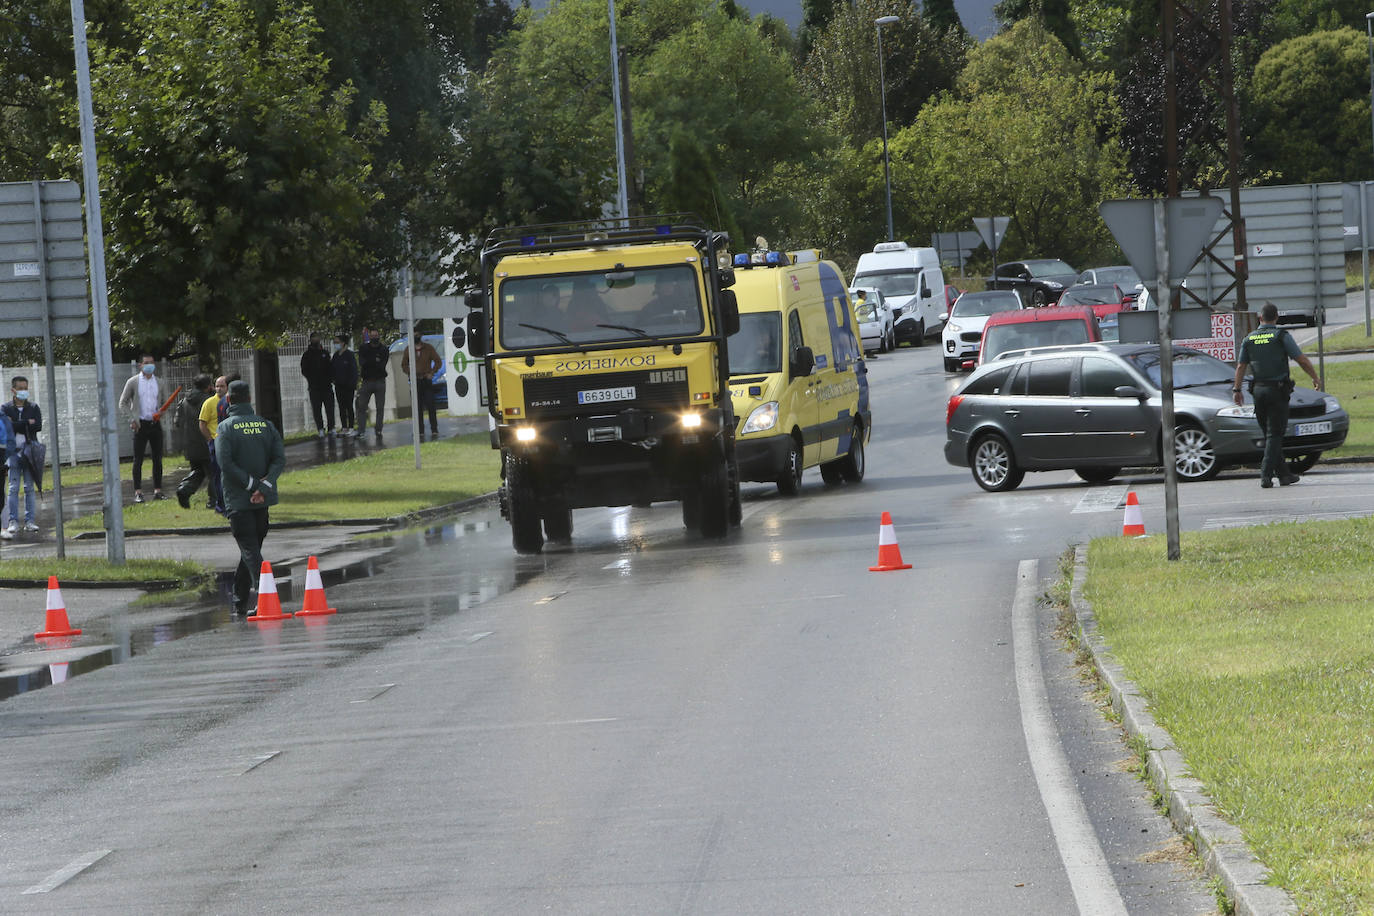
pixel 911 282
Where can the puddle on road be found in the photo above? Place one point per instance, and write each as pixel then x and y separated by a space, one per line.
pixel 54 662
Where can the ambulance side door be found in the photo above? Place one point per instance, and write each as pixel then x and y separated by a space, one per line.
pixel 800 394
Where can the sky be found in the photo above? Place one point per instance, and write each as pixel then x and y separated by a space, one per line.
pixel 975 14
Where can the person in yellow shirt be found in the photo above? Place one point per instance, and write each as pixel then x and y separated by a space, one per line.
pixel 209 428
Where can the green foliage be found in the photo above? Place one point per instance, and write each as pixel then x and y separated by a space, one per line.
pixel 842 74
pixel 540 131
pixel 1310 113
pixel 1055 15
pixel 229 173
pixel 1291 18
pixel 1023 137
pixel 942 17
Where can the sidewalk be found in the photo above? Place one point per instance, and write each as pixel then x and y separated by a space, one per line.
pixel 22 608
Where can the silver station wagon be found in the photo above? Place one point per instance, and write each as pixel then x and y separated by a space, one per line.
pixel 1095 409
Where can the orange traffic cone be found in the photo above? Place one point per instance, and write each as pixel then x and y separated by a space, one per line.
pixel 315 605
pixel 1133 526
pixel 269 605
pixel 56 623
pixel 889 554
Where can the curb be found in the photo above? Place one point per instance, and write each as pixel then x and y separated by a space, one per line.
pixel 392 521
pixel 1221 846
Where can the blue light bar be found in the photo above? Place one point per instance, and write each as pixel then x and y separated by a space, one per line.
pixel 663 230
pixel 775 259
pixel 527 240
pixel 741 260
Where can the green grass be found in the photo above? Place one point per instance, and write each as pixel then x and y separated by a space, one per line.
pixel 1351 338
pixel 1256 652
pixel 1352 384
pixel 379 485
pixel 99 569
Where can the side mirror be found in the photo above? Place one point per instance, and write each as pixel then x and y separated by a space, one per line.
pixel 803 362
pixel 729 312
pixel 944 316
pixel 725 277
pixel 925 290
pixel 477 334
pixel 475 300
pixel 1129 391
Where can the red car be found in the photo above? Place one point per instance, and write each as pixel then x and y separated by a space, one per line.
pixel 1052 325
pixel 1103 298
pixel 951 293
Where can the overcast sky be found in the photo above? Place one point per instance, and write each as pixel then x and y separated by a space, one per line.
pixel 975 14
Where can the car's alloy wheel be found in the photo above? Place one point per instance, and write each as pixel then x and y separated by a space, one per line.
pixel 852 464
pixel 993 466
pixel 1195 456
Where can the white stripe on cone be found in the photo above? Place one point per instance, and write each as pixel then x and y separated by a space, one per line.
pixel 55 602
pixel 313 582
pixel 267 584
pixel 887 536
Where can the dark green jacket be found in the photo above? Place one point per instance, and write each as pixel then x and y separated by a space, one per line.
pixel 251 458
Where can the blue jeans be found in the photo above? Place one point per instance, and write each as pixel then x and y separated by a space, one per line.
pixel 20 472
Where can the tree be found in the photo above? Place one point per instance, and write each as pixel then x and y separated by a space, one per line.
pixel 1021 137
pixel 841 72
pixel 1055 15
pixel 942 17
pixel 1311 108
pixel 228 172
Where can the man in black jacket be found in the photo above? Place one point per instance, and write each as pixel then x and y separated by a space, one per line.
pixel 372 360
pixel 193 444
pixel 315 366
pixel 27 421
pixel 343 367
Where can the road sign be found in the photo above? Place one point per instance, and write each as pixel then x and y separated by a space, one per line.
pixel 992 228
pixel 1190 223
pixel 32 264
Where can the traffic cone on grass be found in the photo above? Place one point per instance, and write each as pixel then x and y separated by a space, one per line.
pixel 315 604
pixel 269 605
pixel 1133 526
pixel 56 623
pixel 889 554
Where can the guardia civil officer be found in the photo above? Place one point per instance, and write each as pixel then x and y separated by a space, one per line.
pixel 251 458
pixel 1267 349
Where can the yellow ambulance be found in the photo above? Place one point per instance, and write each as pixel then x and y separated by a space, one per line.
pixel 797 374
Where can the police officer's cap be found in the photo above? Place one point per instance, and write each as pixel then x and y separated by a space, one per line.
pixel 240 391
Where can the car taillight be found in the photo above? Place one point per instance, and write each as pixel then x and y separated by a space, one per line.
pixel 954 401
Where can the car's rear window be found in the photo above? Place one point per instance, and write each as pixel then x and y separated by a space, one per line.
pixel 1003 337
pixel 990 383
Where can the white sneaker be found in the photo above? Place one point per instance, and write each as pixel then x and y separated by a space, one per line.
pixel 30 526
pixel 5 535
pixel 14 526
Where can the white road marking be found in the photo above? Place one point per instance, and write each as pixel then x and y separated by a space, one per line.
pixel 263 758
pixel 622 563
pixel 381 689
pixel 1101 499
pixel 477 636
pixel 68 872
pixel 1089 875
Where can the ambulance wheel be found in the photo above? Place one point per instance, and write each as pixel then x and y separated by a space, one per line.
pixel 994 469
pixel 714 517
pixel 1301 464
pixel 789 481
pixel 523 507
pixel 851 466
pixel 558 524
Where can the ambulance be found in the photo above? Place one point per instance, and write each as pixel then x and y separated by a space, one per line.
pixel 797 374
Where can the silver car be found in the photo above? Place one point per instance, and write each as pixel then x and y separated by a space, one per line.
pixel 1095 409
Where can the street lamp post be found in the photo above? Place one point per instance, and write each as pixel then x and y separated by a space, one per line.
pixel 882 89
pixel 1364 187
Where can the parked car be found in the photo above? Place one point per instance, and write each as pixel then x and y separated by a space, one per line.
pixel 1123 276
pixel 1040 281
pixel 875 327
pixel 963 333
pixel 912 282
pixel 1053 325
pixel 1103 298
pixel 1096 408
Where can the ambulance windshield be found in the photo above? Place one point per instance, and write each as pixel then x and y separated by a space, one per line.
pixel 755 349
pixel 599 307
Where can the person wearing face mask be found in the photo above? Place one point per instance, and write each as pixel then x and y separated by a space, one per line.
pixel 315 366
pixel 372 360
pixel 26 420
pixel 343 371
pixel 142 401
pixel 427 362
pixel 6 446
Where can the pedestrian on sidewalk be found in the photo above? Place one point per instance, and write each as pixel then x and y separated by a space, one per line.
pixel 317 368
pixel 1268 349
pixel 427 363
pixel 372 360
pixel 142 401
pixel 193 445
pixel 209 426
pixel 343 372
pixel 251 458
pixel 6 446
pixel 26 420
